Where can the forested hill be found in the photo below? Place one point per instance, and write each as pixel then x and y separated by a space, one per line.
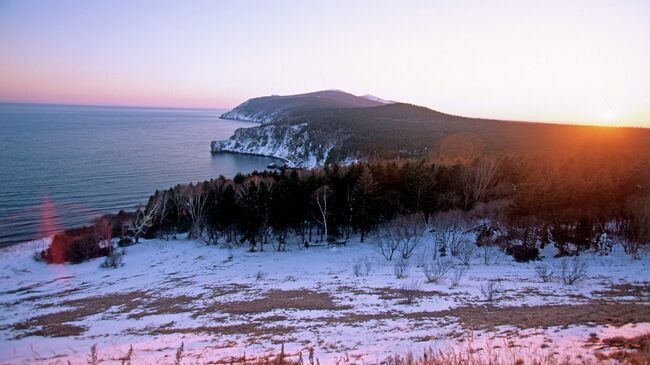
pixel 313 134
pixel 403 130
pixel 270 108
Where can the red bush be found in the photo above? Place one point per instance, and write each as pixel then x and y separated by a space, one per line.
pixel 79 244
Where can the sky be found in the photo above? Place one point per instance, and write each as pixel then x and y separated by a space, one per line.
pixel 556 61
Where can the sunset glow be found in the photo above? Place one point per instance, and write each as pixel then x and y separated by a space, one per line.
pixel 576 62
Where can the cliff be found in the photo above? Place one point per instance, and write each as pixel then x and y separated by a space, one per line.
pixel 293 143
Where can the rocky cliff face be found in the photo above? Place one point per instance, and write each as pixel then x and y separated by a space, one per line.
pixel 283 135
pixel 293 143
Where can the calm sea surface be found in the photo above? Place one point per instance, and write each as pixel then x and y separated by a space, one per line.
pixel 61 166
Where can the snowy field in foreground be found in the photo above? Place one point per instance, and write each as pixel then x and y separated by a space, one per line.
pixel 223 302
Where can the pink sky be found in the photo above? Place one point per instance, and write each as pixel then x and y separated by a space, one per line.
pixel 578 61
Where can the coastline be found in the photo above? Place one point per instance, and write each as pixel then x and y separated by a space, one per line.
pixel 289 162
pixel 255 154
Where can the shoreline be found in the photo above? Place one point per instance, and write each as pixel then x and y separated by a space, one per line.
pixel 288 161
pixel 254 154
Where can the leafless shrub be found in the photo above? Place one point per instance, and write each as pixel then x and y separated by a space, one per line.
pixel 490 254
pixel 637 228
pixel 544 272
pixel 490 289
pixel 466 252
pixel 457 275
pixel 179 354
pixel 410 229
pixel 410 291
pixel 476 179
pixel 447 229
pixel 386 246
pixel 356 267
pixel 367 265
pixel 260 275
pixel 361 266
pixel 573 269
pixel 631 248
pixel 402 234
pixel 93 358
pixel 114 259
pixel 140 223
pixel 160 206
pixel 436 270
pixel 126 359
pixel 400 266
pixel 194 199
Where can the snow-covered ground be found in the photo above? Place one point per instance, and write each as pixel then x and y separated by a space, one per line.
pixel 221 302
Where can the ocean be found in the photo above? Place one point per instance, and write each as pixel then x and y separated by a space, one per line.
pixel 62 166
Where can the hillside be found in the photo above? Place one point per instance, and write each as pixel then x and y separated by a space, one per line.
pixel 310 133
pixel 221 304
pixel 269 108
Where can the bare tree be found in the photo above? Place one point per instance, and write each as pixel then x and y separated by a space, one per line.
pixel 436 270
pixel 364 190
pixel 178 200
pixel 409 229
pixel 194 199
pixel 403 234
pixel 351 198
pixel 386 242
pixel 321 196
pixel 573 270
pixel 638 226
pixel 142 220
pixel 544 272
pixel 478 178
pixel 466 252
pixel 447 230
pixel 159 207
pixel 491 289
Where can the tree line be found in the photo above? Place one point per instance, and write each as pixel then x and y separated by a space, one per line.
pixel 522 203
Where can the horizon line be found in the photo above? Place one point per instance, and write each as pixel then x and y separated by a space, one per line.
pixel 110 105
pixel 583 124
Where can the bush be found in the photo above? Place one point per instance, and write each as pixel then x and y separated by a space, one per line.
pixel 361 266
pixel 125 242
pixel 490 255
pixel 490 289
pixel 544 272
pixel 523 253
pixel 457 275
pixel 435 271
pixel 260 275
pixel 466 252
pixel 410 291
pixel 79 244
pixel 400 267
pixel 367 265
pixel 356 267
pixel 114 259
pixel 573 270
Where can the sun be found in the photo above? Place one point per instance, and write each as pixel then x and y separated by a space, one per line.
pixel 608 117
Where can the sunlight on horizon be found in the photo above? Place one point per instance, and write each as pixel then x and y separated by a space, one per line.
pixel 583 62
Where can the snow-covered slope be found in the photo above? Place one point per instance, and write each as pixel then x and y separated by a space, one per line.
pixel 377 99
pixel 289 142
pixel 221 302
